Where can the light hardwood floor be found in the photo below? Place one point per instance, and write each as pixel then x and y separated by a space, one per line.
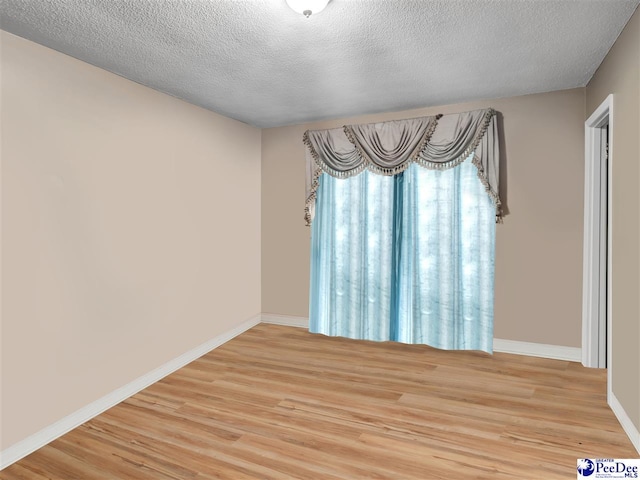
pixel 278 402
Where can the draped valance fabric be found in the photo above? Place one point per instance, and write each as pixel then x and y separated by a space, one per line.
pixel 389 148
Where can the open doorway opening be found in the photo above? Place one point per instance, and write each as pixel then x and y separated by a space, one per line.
pixel 596 311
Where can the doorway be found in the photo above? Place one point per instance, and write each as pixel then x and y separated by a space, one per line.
pixel 597 282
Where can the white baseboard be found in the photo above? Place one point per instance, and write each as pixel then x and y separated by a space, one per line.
pixel 556 352
pixel 287 320
pixel 627 425
pixel 39 439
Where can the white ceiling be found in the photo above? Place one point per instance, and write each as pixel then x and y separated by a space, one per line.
pixel 259 62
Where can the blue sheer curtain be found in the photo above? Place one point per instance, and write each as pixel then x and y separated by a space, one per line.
pixel 408 258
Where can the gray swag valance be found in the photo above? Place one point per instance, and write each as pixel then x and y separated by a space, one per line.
pixel 388 148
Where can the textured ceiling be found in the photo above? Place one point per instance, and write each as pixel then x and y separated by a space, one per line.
pixel 259 62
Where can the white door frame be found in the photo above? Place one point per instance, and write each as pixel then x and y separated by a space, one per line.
pixel 594 319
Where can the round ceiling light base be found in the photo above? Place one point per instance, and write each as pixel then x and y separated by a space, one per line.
pixel 307 7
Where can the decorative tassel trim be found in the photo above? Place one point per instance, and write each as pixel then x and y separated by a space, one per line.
pixel 311 199
pixel 488 116
pixel 442 165
pixel 431 165
pixel 388 172
pixel 364 158
pixel 494 195
pixel 428 133
pixel 326 168
pixel 321 167
pixel 307 142
pixel 416 157
pixel 367 163
pixel 340 174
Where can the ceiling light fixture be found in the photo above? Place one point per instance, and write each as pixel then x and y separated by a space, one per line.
pixel 307 7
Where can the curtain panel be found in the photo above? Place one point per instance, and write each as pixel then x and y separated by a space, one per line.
pixel 388 148
pixel 384 267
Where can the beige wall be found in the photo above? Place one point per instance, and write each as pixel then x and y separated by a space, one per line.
pixel 539 246
pixel 619 74
pixel 130 232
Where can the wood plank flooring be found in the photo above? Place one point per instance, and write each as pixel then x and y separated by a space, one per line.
pixel 277 402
